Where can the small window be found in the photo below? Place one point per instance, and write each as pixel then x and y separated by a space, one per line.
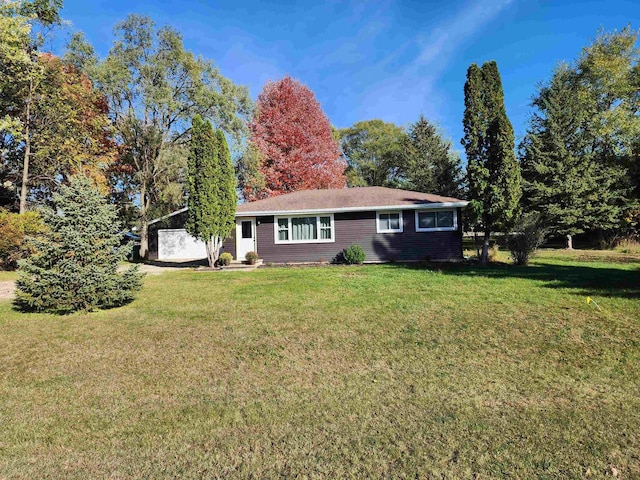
pixel 389 222
pixel 435 220
pixel 325 228
pixel 246 229
pixel 283 229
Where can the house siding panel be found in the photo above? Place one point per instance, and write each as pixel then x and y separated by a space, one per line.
pixel 229 245
pixel 360 228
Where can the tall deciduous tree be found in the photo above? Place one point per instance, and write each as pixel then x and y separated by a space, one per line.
pixel 293 137
pixel 21 74
pixel 212 188
pixel 493 173
pixel 69 132
pixel 373 151
pixel 608 73
pixel 155 87
pixel 429 164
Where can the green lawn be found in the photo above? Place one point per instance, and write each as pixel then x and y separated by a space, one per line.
pixel 7 276
pixel 335 372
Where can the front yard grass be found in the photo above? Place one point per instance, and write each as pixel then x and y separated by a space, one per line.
pixel 6 276
pixel 334 372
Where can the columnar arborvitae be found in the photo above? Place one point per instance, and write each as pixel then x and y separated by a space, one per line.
pixel 211 188
pixel 203 190
pixel 563 179
pixel 493 173
pixel 76 260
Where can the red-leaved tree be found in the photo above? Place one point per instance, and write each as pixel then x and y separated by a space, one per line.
pixel 293 148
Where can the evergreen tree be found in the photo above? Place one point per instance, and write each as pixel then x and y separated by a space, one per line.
pixel 429 165
pixel 76 260
pixel 493 173
pixel 211 186
pixel 563 179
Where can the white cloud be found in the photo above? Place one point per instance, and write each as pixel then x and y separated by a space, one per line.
pixel 448 37
pixel 414 88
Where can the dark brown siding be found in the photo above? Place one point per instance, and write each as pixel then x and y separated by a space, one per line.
pixel 360 228
pixel 229 245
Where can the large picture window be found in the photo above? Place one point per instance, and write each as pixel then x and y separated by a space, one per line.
pixel 311 229
pixel 389 222
pixel 436 220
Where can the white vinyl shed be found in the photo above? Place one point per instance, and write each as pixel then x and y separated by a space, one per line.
pixel 177 244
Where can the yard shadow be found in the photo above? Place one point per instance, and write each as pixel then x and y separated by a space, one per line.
pixel 584 279
pixel 178 263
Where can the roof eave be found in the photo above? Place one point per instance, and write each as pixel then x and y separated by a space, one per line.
pixel 417 206
pixel 167 216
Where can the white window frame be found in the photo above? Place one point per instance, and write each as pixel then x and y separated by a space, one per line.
pixel 392 230
pixel 438 229
pixel 276 237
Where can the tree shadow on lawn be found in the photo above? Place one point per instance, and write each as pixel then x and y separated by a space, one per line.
pixel 586 280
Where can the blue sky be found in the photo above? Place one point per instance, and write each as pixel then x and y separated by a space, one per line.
pixel 388 59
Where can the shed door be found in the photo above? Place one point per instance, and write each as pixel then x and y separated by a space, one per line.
pixel 245 237
pixel 177 244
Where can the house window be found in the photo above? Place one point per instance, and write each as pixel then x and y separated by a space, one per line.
pixel 389 222
pixel 310 229
pixel 283 229
pixel 436 220
pixel 246 229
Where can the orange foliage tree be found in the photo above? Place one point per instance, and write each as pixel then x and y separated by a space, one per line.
pixel 292 144
pixel 69 132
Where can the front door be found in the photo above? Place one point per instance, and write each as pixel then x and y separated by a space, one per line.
pixel 245 237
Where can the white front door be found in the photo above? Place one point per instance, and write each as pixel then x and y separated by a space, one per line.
pixel 245 237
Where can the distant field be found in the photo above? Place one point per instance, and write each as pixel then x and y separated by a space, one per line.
pixel 335 372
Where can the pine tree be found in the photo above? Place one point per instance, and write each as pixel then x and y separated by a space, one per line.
pixel 211 188
pixel 564 181
pixel 76 260
pixel 493 173
pixel 429 165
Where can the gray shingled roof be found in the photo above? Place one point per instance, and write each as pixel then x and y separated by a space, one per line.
pixel 345 199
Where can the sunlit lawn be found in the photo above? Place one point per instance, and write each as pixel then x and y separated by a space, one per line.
pixel 7 276
pixel 335 372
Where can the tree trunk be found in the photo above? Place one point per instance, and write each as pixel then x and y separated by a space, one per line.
pixel 484 258
pixel 569 242
pixel 27 153
pixel 144 231
pixel 475 239
pixel 213 249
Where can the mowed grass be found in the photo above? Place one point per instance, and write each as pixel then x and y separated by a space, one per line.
pixel 6 276
pixel 334 372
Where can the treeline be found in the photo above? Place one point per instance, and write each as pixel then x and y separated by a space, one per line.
pixel 579 162
pixel 123 120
